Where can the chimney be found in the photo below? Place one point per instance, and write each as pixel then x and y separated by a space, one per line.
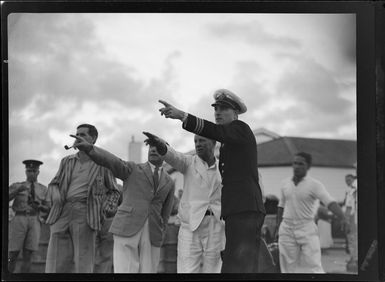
pixel 135 150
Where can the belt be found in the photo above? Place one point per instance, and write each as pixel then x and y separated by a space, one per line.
pixel 72 201
pixel 27 212
pixel 209 212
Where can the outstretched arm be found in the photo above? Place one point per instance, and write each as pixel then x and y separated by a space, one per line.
pixel 169 111
pixel 235 132
pixel 118 167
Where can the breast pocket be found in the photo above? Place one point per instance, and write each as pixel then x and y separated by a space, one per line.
pixel 99 188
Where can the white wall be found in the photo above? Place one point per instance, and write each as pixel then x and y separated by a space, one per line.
pixel 332 178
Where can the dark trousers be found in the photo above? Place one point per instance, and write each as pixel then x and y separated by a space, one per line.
pixel 243 235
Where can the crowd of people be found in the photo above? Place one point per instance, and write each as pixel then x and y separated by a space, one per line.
pixel 98 226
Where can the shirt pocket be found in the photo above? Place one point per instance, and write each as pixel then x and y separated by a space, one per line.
pixel 99 188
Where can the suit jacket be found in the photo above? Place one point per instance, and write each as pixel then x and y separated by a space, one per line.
pixel 101 183
pixel 199 192
pixel 237 163
pixel 140 199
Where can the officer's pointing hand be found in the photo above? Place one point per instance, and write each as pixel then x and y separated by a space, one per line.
pixel 169 111
pixel 82 144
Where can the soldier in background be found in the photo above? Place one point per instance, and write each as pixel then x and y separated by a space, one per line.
pixel 29 209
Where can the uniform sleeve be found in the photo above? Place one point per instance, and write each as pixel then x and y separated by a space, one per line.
pixel 177 160
pixel 322 194
pixel 236 132
pixel 118 167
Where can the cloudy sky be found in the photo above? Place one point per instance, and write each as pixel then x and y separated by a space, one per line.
pixel 295 72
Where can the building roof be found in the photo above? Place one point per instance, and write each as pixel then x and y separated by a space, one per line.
pixel 325 152
pixel 263 135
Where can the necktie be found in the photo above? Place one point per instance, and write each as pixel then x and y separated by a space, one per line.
pixel 32 195
pixel 156 177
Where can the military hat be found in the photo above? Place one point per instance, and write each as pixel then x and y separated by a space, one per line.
pixel 33 164
pixel 224 97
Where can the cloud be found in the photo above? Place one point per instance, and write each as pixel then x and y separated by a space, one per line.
pixel 60 76
pixel 62 72
pixel 252 33
pixel 312 87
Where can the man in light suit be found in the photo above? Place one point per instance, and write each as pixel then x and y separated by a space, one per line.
pixel 201 235
pixel 139 225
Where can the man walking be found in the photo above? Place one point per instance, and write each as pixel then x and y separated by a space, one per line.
pixel 351 214
pixel 140 223
pixel 242 204
pixel 29 207
pixel 299 243
pixel 78 194
pixel 201 235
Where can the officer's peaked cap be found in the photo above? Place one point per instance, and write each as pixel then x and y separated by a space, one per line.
pixel 224 97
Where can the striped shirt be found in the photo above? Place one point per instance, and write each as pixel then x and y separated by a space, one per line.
pixel 101 182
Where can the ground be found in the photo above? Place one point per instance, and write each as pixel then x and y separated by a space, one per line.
pixel 334 259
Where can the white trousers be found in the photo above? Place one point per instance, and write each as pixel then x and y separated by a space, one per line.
pixel 199 250
pixel 135 254
pixel 299 247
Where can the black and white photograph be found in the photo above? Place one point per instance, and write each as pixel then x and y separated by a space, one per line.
pixel 203 141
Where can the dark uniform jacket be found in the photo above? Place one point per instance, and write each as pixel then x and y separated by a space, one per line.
pixel 237 163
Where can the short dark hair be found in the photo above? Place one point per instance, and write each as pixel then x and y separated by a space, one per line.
pixel 350 175
pixel 306 156
pixel 211 140
pixel 91 129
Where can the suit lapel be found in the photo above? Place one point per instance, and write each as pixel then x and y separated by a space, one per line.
pixel 163 181
pixel 148 172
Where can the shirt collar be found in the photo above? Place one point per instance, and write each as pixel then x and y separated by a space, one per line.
pixel 153 167
pixel 74 156
pixel 206 165
pixel 303 179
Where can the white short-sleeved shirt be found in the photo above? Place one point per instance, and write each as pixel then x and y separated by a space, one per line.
pixel 301 202
pixel 351 200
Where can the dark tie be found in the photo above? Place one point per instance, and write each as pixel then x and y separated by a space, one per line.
pixel 156 177
pixel 32 195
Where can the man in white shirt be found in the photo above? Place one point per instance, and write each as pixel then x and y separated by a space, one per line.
pixel 351 215
pixel 299 245
pixel 201 235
